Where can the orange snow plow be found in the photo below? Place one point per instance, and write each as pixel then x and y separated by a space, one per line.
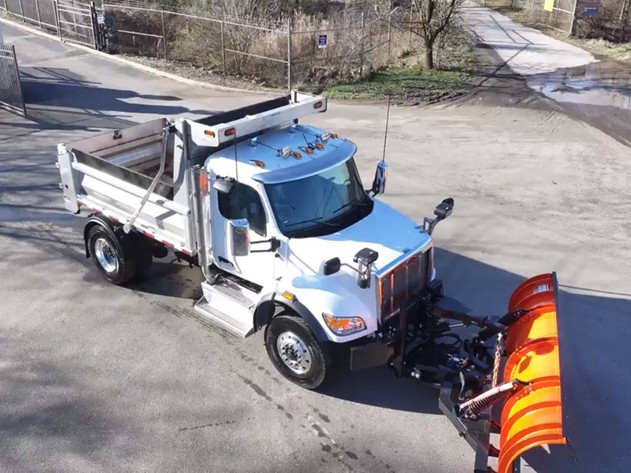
pixel 503 382
pixel 532 416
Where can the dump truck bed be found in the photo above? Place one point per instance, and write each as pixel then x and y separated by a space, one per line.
pixel 110 173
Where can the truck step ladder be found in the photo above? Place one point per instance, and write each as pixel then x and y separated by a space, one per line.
pixel 229 305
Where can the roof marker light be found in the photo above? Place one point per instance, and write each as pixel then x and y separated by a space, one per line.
pixel 319 146
pixel 258 163
pixel 296 155
pixel 318 104
pixel 209 133
pixel 230 131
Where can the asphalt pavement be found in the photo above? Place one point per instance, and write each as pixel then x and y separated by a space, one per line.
pixel 101 378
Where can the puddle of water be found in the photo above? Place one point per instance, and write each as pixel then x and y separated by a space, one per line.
pixel 602 84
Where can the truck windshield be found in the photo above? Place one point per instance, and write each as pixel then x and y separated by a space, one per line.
pixel 320 204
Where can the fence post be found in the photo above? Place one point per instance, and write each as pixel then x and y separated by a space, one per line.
pixel 289 52
pixel 361 51
pixel 17 71
pixel 57 19
pixel 223 49
pixel 411 24
pixel 573 20
pixel 22 11
pixel 624 11
pixel 39 16
pixel 95 25
pixel 164 35
pixel 389 29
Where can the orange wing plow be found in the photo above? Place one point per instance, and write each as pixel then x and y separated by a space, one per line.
pixel 522 380
pixel 532 416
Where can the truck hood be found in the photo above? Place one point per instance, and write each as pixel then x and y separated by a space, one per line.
pixel 385 230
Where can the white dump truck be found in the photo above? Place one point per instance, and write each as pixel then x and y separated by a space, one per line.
pixel 288 240
pixel 273 212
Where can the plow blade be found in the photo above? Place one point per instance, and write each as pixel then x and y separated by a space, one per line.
pixel 532 416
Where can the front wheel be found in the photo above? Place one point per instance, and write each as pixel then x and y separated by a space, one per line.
pixel 295 352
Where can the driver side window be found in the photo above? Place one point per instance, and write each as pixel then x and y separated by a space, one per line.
pixel 244 202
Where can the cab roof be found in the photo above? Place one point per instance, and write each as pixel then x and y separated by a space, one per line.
pixel 283 154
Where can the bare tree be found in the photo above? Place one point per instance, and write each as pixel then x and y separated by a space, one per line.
pixel 431 19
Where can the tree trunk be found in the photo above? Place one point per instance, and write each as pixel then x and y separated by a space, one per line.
pixel 429 54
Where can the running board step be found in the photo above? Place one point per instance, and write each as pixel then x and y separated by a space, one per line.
pixel 230 305
pixel 230 323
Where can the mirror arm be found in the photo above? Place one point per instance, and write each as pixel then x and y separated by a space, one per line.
pixel 430 223
pixel 353 268
pixel 274 242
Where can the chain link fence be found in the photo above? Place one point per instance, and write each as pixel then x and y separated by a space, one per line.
pixel 603 19
pixel 559 15
pixel 42 13
pixel 295 50
pixel 11 97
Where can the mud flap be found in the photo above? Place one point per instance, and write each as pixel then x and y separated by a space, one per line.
pixel 532 417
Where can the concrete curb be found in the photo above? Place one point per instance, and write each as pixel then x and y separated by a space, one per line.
pixel 133 64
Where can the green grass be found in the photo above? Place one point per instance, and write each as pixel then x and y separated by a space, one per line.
pixel 404 83
pixel 410 80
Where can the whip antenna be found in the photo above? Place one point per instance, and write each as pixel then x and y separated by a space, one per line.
pixel 379 183
pixel 385 137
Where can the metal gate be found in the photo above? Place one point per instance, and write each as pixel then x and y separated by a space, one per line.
pixel 76 22
pixel 11 96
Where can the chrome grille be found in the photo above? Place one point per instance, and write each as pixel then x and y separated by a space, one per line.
pixel 403 282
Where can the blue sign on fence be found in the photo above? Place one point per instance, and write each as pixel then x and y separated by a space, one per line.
pixel 322 41
pixel 590 8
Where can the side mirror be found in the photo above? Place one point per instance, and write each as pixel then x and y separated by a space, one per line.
pixel 332 266
pixel 444 209
pixel 239 237
pixel 379 183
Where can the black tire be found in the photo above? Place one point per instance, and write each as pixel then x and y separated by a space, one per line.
pixel 114 257
pixel 291 327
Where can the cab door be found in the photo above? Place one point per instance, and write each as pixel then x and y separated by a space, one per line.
pixel 236 200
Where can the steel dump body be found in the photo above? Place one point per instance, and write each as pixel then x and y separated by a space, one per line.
pixel 111 173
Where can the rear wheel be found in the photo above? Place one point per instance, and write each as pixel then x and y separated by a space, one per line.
pixel 114 258
pixel 295 352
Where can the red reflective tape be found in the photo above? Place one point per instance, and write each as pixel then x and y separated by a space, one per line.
pixel 186 252
pixel 147 234
pixel 115 219
pixel 170 245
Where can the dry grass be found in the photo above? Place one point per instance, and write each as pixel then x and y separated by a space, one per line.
pixel 357 44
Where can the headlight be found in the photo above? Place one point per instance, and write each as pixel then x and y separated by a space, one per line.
pixel 344 325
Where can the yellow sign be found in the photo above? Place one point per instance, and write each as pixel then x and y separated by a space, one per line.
pixel 548 5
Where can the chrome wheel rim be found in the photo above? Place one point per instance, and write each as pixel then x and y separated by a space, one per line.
pixel 294 353
pixel 106 255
